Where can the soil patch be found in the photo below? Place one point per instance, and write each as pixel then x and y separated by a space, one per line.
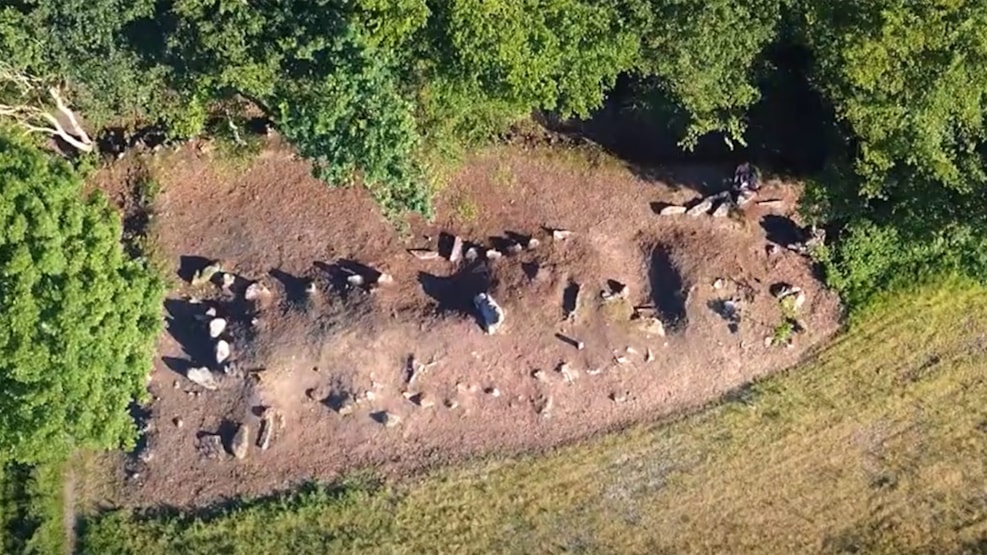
pixel 352 370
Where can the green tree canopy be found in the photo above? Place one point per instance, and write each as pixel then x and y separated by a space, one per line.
pixel 77 318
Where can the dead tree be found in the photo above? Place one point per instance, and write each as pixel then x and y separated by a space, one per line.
pixel 38 107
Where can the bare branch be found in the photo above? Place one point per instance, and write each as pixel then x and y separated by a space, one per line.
pixel 69 115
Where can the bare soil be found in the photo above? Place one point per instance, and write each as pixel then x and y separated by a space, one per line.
pixel 311 357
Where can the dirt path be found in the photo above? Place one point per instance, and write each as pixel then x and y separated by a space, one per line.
pixel 334 362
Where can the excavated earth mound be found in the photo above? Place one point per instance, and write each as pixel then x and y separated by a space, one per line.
pixel 363 346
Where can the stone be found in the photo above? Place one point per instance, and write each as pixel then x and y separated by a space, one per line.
pixel 560 234
pixel 701 208
pixel 266 431
pixel 771 203
pixel 649 356
pixel 567 372
pixel 745 197
pixel 422 400
pixel 211 312
pixel 389 420
pixel 652 326
pixel 216 327
pixel 356 280
pixel 177 422
pixel 423 254
pixel 533 243
pixel 210 446
pixel 722 210
pixel 672 210
pixel 494 254
pixel 451 404
pixel 719 283
pixel 514 248
pixel 203 377
pixel 240 442
pixel 594 372
pixel 492 391
pixel 471 254
pixel 620 397
pixel 799 300
pixel 617 292
pixel 346 408
pixel 385 279
pixel 228 280
pixel 310 288
pixel 222 351
pixel 491 314
pixel 770 249
pixel 621 359
pixel 457 249
pixel 539 375
pixel 205 275
pixel 781 290
pixel 255 291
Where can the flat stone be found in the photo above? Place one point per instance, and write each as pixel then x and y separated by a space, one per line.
pixel 205 275
pixel 560 234
pixel 202 377
pixel 457 249
pixel 701 208
pixel 385 279
pixel 494 254
pixel 722 210
pixel 240 442
pixel 422 400
pixel 771 203
pixel 423 254
pixel 228 280
pixel 672 210
pixel 533 243
pixel 266 431
pixel 356 280
pixel 255 291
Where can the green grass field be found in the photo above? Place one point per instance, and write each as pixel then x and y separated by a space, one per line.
pixel 876 446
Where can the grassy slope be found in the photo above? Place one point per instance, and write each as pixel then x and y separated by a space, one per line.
pixel 877 446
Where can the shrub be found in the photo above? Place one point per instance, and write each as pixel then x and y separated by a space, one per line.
pixel 77 318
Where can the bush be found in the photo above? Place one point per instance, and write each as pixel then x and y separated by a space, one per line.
pixel 77 318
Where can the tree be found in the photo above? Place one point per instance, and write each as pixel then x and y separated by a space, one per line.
pixel 907 79
pixel 30 106
pixel 78 319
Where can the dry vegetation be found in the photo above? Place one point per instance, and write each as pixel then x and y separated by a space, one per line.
pixel 877 445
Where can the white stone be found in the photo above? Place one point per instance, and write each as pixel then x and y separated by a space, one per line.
pixel 202 377
pixel 216 327
pixel 222 351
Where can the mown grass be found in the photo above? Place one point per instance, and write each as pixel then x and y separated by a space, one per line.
pixel 876 446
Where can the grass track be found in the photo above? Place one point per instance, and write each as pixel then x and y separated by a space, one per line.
pixel 879 445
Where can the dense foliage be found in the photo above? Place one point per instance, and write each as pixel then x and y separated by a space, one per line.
pixel 381 92
pixel 77 317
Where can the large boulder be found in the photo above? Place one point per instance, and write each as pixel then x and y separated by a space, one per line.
pixel 240 442
pixel 491 314
pixel 202 377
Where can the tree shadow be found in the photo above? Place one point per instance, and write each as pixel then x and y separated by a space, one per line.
pixel 790 129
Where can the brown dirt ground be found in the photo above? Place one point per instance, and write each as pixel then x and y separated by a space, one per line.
pixel 274 222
